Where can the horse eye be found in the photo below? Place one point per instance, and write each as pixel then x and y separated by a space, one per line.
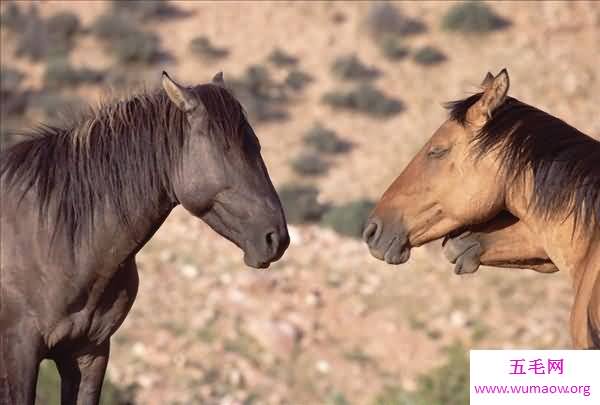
pixel 437 152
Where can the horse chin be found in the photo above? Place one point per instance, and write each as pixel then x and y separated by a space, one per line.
pixel 255 263
pixel 462 251
pixel 469 261
pixel 397 253
pixel 396 258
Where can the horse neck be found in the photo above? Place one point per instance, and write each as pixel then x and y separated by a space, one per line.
pixel 109 243
pixel 124 242
pixel 572 248
pixel 570 245
pixel 151 208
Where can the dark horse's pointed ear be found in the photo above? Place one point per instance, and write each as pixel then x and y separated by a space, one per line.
pixel 218 79
pixel 178 94
pixel 494 94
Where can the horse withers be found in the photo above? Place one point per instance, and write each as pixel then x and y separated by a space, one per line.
pixel 496 153
pixel 78 203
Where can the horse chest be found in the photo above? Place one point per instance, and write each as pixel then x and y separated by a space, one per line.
pixel 104 310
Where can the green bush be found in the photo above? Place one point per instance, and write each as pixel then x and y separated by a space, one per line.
pixel 445 385
pixel 258 79
pixel 350 67
pixel 6 136
pixel 55 106
pixel 473 16
pixel 366 99
pixel 13 101
pixel 448 384
pixel 48 389
pixel 337 398
pixel 429 56
pixel 309 164
pixel 348 219
pixel 384 18
pixel 146 10
pixel 261 96
pixel 32 40
pixel 10 79
pixel 128 44
pixel 134 78
pixel 393 47
pixel 325 140
pixel 110 27
pixel 10 127
pixel 38 38
pixel 138 46
pixel 300 203
pixel 297 79
pixel 59 73
pixel 201 46
pixel 395 395
pixel 63 25
pixel 12 17
pixel 281 58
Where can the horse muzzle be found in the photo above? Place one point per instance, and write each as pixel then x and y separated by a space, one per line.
pixel 387 242
pixel 268 247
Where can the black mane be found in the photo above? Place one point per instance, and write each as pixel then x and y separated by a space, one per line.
pixel 565 162
pixel 112 155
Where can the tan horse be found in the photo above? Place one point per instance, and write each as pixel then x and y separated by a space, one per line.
pixel 497 153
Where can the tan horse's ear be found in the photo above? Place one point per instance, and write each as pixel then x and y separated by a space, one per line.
pixel 487 81
pixel 218 79
pixel 178 94
pixel 494 94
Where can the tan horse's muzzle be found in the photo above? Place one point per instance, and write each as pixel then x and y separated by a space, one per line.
pixel 387 241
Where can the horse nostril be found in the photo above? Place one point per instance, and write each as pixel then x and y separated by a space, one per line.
pixel 272 241
pixel 372 231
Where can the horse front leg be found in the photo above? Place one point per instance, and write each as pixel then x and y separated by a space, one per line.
pixel 21 350
pixel 82 375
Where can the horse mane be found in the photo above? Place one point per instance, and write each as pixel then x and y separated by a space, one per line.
pixel 111 155
pixel 564 161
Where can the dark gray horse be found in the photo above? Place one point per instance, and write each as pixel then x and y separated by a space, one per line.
pixel 79 202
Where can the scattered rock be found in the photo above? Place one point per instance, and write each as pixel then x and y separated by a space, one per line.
pixel 189 271
pixel 138 349
pixel 458 319
pixel 279 336
pixel 314 299
pixel 323 367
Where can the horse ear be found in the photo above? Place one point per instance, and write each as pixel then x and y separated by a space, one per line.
pixel 487 81
pixel 218 79
pixel 494 94
pixel 178 94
